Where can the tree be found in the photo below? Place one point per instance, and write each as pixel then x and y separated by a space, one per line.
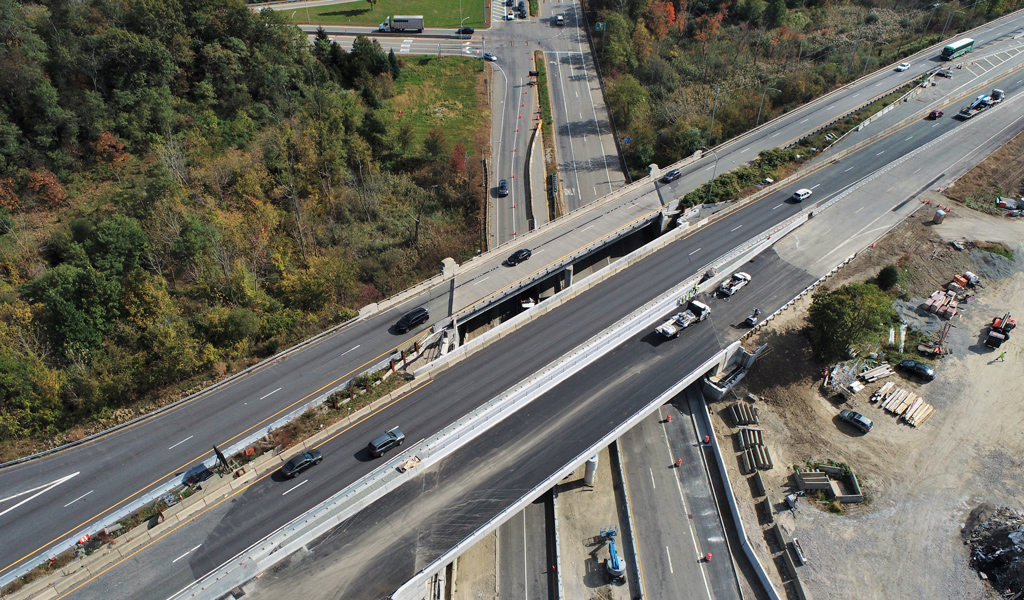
pixel 848 316
pixel 888 277
pixel 118 246
pixel 775 16
pixel 77 307
pixel 396 69
pixel 628 100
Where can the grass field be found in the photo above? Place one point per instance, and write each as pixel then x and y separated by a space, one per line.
pixel 436 13
pixel 444 95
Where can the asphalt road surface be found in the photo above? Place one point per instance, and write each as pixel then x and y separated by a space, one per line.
pixel 57 497
pixel 526 552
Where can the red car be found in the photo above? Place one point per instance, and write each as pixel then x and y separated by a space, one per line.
pixel 935 114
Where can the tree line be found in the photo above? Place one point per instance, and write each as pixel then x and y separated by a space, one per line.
pixel 187 185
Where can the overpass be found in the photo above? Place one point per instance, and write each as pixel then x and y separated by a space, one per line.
pixel 128 453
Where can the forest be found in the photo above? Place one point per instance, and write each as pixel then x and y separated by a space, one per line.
pixel 676 68
pixel 187 186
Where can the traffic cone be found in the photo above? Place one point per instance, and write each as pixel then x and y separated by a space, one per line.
pixel 668 419
pixel 679 462
pixel 707 557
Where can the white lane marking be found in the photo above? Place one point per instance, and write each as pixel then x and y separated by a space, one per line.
pixel 745 149
pixel 689 522
pixel 778 206
pixel 860 209
pixel 935 125
pixel 908 139
pixel 279 389
pixel 654 485
pixel 39 492
pixel 185 554
pixel 735 228
pixel 815 187
pixel 343 354
pixel 586 228
pixel 855 95
pixel 709 168
pixel 775 134
pixel 918 169
pixel 482 280
pixel 695 251
pixel 295 488
pixel 669 555
pixel 826 231
pixel 181 442
pixel 78 498
pixel 829 106
pixel 805 120
pixel 879 83
pixel 526 568
pixel 880 153
pixel 577 93
pixel 848 170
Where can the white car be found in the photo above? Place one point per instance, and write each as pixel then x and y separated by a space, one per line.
pixel 903 67
pixel 511 16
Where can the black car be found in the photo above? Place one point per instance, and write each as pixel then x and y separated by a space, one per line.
pixel 412 319
pixel 671 176
pixel 857 420
pixel 521 255
pixel 465 31
pixel 386 441
pixel 918 368
pixel 502 188
pixel 301 462
pixel 490 57
pixel 510 2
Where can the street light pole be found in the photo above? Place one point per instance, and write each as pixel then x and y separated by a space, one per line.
pixel 714 173
pixel 928 24
pixel 711 132
pixel 766 88
pixel 462 35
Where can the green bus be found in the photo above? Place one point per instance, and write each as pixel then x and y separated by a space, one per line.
pixel 957 48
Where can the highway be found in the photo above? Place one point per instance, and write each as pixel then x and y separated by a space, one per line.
pixel 526 553
pixel 114 470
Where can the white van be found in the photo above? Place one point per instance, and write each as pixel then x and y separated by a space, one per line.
pixel 801 194
pixel 560 20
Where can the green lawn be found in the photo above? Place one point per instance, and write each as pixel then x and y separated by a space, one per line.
pixel 430 95
pixel 436 13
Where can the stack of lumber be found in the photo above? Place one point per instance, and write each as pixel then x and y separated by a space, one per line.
pixel 743 414
pixel 941 303
pixel 905 404
pixel 882 391
pixel 881 371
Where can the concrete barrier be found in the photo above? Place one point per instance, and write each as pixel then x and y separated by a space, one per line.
pixel 634 546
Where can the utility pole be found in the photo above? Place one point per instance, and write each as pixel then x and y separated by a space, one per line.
pixel 766 88
pixel 713 173
pixel 928 24
pixel 855 48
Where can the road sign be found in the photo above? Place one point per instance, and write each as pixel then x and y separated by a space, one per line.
pixel 599 26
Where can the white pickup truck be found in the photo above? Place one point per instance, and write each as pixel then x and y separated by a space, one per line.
pixel 737 281
pixel 697 311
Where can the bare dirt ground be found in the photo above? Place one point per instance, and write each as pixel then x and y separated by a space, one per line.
pixel 905 541
pixel 1001 174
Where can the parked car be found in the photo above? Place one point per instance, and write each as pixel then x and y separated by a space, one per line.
pixel 671 176
pixel 856 419
pixel 510 2
pixel 560 20
pixel 301 462
pixel 919 369
pixel 502 188
pixel 490 57
pixel 903 66
pixel 521 255
pixel 411 319
pixel 511 16
pixel 386 441
pixel 935 114
pixel 465 31
pixel 944 73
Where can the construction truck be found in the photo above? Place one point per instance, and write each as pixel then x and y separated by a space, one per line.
pixel 737 281
pixel 399 23
pixel 696 311
pixel 982 103
pixel 999 331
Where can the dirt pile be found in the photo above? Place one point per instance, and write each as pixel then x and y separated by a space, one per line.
pixel 996 538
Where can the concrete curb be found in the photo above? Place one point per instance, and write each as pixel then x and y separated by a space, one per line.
pixel 559 589
pixel 634 546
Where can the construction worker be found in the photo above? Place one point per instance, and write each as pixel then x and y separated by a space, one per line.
pixel 1000 357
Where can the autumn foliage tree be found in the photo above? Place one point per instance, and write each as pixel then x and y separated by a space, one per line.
pixel 45 186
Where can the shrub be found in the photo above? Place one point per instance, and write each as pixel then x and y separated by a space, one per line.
pixel 888 277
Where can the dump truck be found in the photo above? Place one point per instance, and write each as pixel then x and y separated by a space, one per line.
pixel 696 311
pixel 402 23
pixel 737 281
pixel 999 331
pixel 982 103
